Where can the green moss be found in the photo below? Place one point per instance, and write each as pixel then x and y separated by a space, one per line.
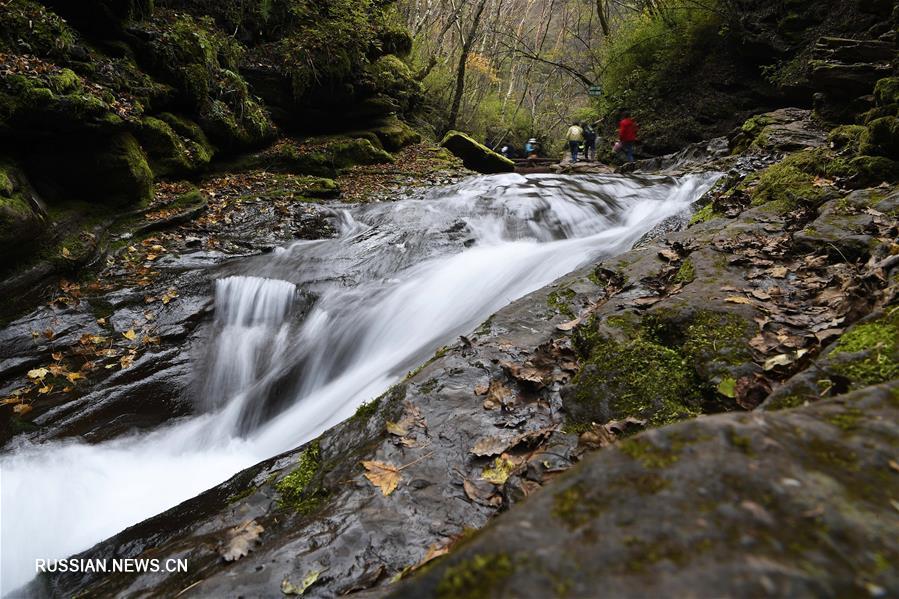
pixel 876 345
pixel 881 138
pixel 704 214
pixel 872 170
pixel 573 507
pixel 686 273
pixel 366 410
pixel 649 454
pixel 846 137
pixel 637 378
pixel 28 27
pixel 478 577
pixel 296 490
pixel 847 420
pixel 65 81
pixel 560 301
pixel 719 336
pixel 886 91
pixel 744 444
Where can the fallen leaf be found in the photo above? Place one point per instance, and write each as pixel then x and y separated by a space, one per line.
pixel 57 356
pixel 129 335
pixel 66 253
pixel 126 361
pixel 524 373
pixel 761 295
pixel 500 471
pixel 74 376
pixel 45 389
pixel 243 539
pixel 481 389
pixel 382 475
pixel 728 387
pixel 397 429
pixel 669 255
pixel 490 446
pixel 783 359
pixel 778 272
pixel 567 326
pixel 21 408
pixel 38 373
pixel 291 589
pixel 737 299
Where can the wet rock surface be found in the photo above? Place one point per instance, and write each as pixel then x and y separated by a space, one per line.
pixel 745 307
pixel 794 503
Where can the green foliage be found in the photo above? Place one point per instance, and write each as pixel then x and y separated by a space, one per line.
pixel 651 53
pixel 29 28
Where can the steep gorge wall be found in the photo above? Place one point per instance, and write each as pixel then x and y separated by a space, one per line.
pixel 98 99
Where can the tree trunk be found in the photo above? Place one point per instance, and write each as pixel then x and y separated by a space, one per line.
pixel 603 17
pixel 460 70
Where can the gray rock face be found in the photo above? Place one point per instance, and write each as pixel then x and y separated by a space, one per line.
pixel 797 503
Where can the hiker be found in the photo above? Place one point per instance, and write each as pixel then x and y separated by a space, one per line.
pixel 589 143
pixel 627 134
pixel 532 148
pixel 575 137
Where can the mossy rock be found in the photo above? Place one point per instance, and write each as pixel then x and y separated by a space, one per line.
pixel 390 76
pixel 476 156
pixel 636 378
pixel 196 142
pixel 107 169
pixel 886 91
pixel 881 138
pixel 345 154
pixel 20 225
pixel 27 27
pixel 868 353
pixel 168 154
pixel 872 170
pixel 846 137
pixel 394 134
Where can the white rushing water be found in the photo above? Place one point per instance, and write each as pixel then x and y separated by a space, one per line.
pixel 399 281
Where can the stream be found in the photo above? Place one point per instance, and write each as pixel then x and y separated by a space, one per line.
pixel 303 336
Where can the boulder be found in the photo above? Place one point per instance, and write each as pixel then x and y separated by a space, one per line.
pixel 21 217
pixel 476 156
pixel 794 503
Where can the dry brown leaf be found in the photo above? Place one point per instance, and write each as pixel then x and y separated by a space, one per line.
pixel 524 373
pixel 382 475
pixel 481 389
pixel 490 446
pixel 760 295
pixel 567 326
pixel 778 272
pixel 737 299
pixel 669 255
pixel 396 428
pixel 243 539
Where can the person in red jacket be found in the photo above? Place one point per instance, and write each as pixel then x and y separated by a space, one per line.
pixel 627 134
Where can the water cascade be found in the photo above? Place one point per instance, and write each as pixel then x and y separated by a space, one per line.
pixel 304 335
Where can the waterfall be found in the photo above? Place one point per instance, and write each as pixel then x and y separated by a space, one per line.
pixel 399 281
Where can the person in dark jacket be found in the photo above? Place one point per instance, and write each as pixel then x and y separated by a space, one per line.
pixel 589 143
pixel 627 134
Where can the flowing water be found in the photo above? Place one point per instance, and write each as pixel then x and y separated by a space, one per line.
pixel 305 335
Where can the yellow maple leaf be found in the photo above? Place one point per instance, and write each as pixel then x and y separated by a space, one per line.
pixel 74 376
pixel 130 335
pixel 38 373
pixel 382 475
